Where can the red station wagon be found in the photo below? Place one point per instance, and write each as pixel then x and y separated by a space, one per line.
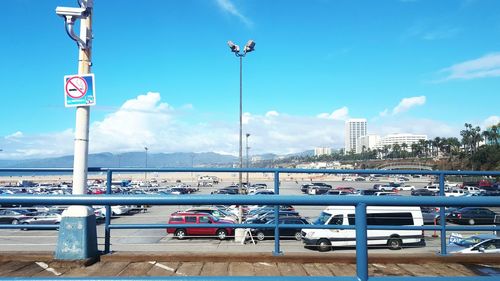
pixel 181 232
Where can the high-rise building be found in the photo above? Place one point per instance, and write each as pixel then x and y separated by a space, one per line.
pixel 322 151
pixel 354 128
pixel 369 141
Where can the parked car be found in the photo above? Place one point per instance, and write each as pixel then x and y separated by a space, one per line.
pixel 368 192
pixel 386 193
pixel 347 189
pixel 318 189
pixel 406 187
pixel 214 211
pixel 263 192
pixel 15 216
pixel 383 187
pixel 42 218
pixel 264 218
pixel 475 244
pixel 423 192
pixel 472 215
pixel 268 232
pixel 218 230
pixel 429 214
pixel 473 190
pixel 337 192
pixel 455 193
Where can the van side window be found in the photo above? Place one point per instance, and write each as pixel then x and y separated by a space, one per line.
pixel 352 219
pixel 337 220
pixel 389 219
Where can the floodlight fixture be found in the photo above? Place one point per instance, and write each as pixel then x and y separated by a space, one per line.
pixel 250 46
pixel 234 48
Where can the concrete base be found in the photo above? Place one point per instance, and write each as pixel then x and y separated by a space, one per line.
pixel 77 235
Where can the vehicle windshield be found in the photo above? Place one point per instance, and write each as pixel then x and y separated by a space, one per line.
pixel 322 219
pixel 215 219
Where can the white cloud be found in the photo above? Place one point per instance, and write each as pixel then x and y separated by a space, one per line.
pixel 407 103
pixel 339 114
pixel 272 113
pixel 384 113
pixel 15 135
pixel 431 128
pixel 485 66
pixel 490 121
pixel 229 7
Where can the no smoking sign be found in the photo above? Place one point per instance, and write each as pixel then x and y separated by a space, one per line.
pixel 79 90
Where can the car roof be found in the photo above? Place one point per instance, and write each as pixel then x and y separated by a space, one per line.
pixel 187 213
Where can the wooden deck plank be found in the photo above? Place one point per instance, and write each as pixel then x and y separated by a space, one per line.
pixel 316 269
pixel 189 269
pixel 391 269
pixel 375 271
pixel 342 269
pixel 291 269
pixel 415 269
pixel 461 268
pixel 266 269
pixel 445 270
pixel 163 268
pixel 27 271
pixel 215 269
pixel 8 267
pixel 434 270
pixel 56 266
pixel 136 269
pixel 240 269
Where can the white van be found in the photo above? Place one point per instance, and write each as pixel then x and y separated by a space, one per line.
pixel 326 239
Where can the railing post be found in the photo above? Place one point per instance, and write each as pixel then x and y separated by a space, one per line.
pixel 107 222
pixel 277 251
pixel 361 243
pixel 442 216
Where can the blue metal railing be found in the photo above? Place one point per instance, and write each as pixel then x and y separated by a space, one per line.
pixel 360 203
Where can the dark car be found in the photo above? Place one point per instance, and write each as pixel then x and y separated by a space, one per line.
pixel 268 232
pixel 472 215
pixel 265 209
pixel 264 218
pixel 368 192
pixel 180 232
pixel 422 192
pixel 318 188
pixel 14 216
pixel 322 184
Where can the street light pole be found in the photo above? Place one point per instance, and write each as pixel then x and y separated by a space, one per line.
pixel 248 163
pixel 146 173
pixel 249 47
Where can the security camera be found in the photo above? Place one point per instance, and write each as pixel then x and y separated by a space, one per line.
pixel 70 12
pixel 249 46
pixel 234 48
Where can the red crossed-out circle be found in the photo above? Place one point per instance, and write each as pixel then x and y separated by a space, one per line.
pixel 77 83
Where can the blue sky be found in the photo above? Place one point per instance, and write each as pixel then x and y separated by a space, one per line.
pixel 166 79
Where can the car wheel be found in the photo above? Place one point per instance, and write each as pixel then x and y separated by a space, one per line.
pixel 298 236
pixel 221 234
pixel 180 234
pixel 14 221
pixel 382 189
pixel 24 223
pixel 394 243
pixel 324 245
pixel 472 221
pixel 260 236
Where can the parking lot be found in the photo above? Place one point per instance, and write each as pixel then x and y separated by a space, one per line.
pixel 158 240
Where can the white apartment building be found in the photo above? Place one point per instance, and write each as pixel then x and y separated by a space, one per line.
pixel 393 139
pixel 322 151
pixel 354 128
pixel 369 141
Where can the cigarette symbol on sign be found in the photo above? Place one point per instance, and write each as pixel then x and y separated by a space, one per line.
pixel 76 87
